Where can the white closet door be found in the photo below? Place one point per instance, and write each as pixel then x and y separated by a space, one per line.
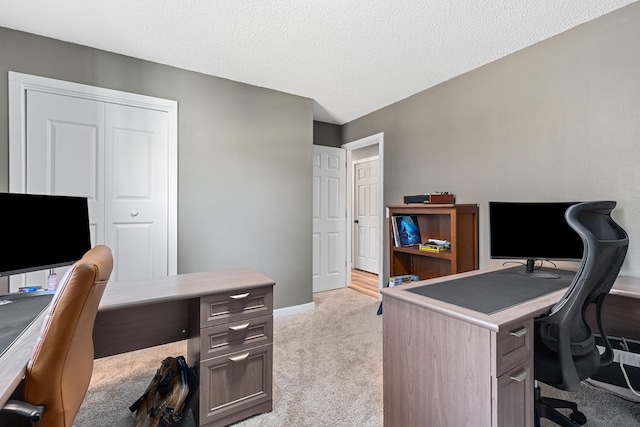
pixel 65 152
pixel 136 188
pixel 64 156
pixel 115 155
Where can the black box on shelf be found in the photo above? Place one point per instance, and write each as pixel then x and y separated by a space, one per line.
pixel 431 198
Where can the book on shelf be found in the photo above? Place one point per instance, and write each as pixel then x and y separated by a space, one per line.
pixel 428 247
pixel 439 242
pixel 406 231
pixel 399 280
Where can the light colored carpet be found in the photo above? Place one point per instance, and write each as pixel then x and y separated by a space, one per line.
pixel 327 372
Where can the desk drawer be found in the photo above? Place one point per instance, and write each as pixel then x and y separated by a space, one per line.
pixel 515 396
pixel 234 384
pixel 514 345
pixel 233 337
pixel 235 306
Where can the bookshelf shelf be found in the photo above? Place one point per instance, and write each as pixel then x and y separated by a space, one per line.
pixel 418 252
pixel 457 223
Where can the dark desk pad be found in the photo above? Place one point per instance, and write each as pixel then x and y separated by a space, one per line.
pixel 495 291
pixel 17 315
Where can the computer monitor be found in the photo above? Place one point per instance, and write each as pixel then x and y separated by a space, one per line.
pixel 40 232
pixel 532 231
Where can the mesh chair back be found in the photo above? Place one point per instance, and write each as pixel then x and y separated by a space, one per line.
pixel 605 247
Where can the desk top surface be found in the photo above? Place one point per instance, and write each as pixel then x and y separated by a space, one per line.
pixel 17 311
pixel 494 291
pixel 626 286
pixel 119 295
pixel 497 320
pixel 129 294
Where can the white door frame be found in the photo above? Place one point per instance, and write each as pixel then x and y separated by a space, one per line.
pixel 19 84
pixel 354 145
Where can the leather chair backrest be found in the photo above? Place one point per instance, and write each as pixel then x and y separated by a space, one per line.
pixel 59 371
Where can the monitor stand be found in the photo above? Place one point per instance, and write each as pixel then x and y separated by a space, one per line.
pixel 531 272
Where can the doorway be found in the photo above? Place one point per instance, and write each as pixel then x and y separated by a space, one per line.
pixel 364 282
pixel 369 198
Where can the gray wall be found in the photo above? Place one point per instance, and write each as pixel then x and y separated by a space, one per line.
pixel 327 134
pixel 557 121
pixel 244 171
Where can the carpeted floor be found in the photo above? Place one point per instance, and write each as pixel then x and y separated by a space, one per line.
pixel 327 372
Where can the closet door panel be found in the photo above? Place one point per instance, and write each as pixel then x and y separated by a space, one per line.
pixel 136 188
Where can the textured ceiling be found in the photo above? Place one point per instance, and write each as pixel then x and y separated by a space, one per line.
pixel 351 57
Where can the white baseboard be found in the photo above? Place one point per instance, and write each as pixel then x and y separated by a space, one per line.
pixel 296 309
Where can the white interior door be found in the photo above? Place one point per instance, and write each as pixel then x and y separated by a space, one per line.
pixel 329 218
pixel 366 216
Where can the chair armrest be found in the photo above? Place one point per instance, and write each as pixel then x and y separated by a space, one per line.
pixel 24 409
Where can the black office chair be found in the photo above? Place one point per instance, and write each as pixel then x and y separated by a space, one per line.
pixel 565 348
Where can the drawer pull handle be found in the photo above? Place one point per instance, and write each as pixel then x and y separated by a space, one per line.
pixel 239 296
pixel 519 333
pixel 239 358
pixel 240 327
pixel 520 376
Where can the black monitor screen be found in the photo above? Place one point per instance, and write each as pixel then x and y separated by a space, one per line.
pixel 532 231
pixel 40 232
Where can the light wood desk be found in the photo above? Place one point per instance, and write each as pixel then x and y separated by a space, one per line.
pixel 200 307
pixel 14 360
pixel 446 365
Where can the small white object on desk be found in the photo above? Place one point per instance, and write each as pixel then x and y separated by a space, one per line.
pixel 52 280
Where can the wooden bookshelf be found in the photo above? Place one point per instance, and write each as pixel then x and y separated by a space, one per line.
pixel 457 223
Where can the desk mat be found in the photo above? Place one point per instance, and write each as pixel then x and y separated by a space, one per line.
pixel 17 315
pixel 495 291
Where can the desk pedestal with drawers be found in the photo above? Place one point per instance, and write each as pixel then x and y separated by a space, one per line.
pixel 233 340
pixel 227 317
pixel 446 365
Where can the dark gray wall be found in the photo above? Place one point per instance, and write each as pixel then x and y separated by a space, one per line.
pixel 327 134
pixel 244 171
pixel 557 121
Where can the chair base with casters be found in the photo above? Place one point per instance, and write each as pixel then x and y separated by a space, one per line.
pixel 547 407
pixel 549 372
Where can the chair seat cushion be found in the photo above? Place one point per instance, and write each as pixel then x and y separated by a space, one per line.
pixel 547 366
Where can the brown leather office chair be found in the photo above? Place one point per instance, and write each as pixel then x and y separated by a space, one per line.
pixel 60 368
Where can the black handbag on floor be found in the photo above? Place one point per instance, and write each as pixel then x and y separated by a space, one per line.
pixel 168 398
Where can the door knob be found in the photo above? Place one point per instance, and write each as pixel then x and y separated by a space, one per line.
pixel 356 221
pixel 134 213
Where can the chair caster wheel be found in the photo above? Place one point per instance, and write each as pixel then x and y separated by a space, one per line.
pixel 578 417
